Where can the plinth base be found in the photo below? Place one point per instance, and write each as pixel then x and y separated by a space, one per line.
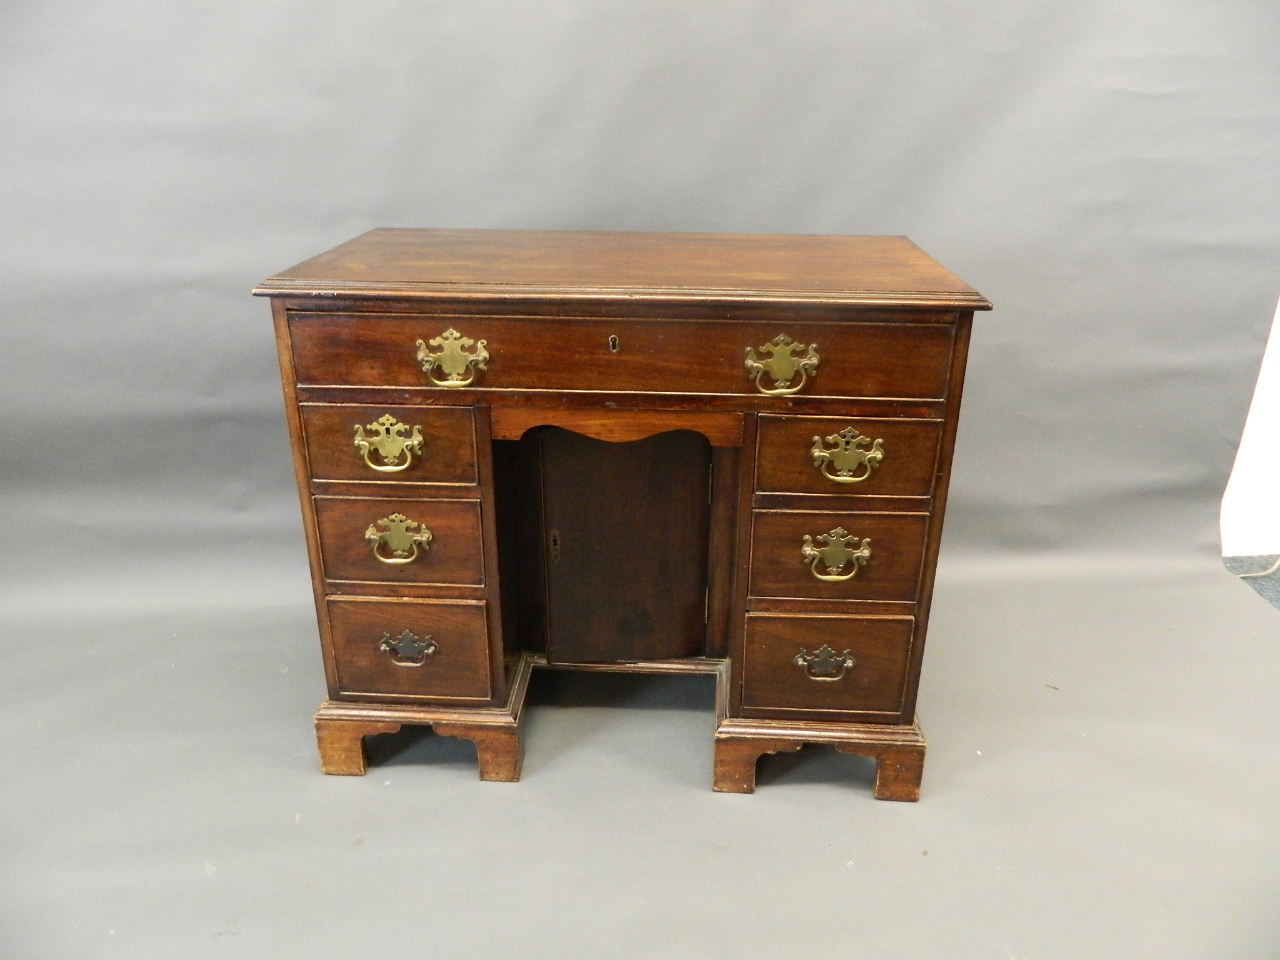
pixel 342 727
pixel 898 751
pixel 739 743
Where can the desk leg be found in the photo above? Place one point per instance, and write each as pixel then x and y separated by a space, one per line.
pixel 342 727
pixel 498 750
pixel 897 750
pixel 736 762
pixel 342 744
pixel 342 749
pixel 899 770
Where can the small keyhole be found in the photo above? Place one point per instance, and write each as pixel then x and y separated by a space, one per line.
pixel 614 343
pixel 554 544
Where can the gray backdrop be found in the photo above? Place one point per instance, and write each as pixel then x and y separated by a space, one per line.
pixel 1099 695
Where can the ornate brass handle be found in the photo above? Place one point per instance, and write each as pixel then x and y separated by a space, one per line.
pixel 836 552
pixel 783 360
pixel 851 463
pixel 454 357
pixel 407 650
pixel 824 664
pixel 396 538
pixel 386 437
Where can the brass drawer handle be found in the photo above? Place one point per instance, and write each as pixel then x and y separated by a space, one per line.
pixel 396 538
pixel 386 437
pixel 835 552
pixel 851 463
pixel 407 650
pixel 783 361
pixel 824 664
pixel 454 358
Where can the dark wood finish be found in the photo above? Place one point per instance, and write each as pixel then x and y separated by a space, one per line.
pixel 735 762
pixel 626 528
pixel 342 726
pixel 872 690
pixel 498 752
pixel 503 649
pixel 899 770
pixel 454 555
pixel 448 447
pixel 459 670
pixel 907 470
pixel 941 486
pixel 590 403
pixel 898 751
pixel 907 360
pixel 623 338
pixel 677 266
pixel 302 477
pixel 818 503
pixel 725 471
pixel 722 429
pixel 741 561
pixel 681 666
pixel 892 572
pixel 522 539
pixel 842 608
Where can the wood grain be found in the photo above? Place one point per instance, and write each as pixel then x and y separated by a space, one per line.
pixel 907 470
pixel 455 554
pixel 677 266
pixel 623 339
pixel 898 750
pixel 459 670
pixel 778 568
pixel 890 360
pixel 941 486
pixel 626 533
pixel 342 726
pixel 721 428
pixel 871 690
pixel 725 478
pixel 448 443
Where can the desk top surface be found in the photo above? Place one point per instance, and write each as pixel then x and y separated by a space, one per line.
pixel 661 266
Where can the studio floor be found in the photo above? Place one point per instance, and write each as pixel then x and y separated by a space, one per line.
pixel 1088 793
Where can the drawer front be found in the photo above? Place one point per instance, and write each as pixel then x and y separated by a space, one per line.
pixel 410 649
pixel 400 541
pixel 390 444
pixel 847 456
pixel 817 664
pixel 909 360
pixel 784 564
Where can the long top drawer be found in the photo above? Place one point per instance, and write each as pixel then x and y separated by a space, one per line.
pixel 896 360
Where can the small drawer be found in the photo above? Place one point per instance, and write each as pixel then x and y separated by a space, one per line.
pixel 847 456
pixel 901 359
pixel 835 563
pixel 400 541
pixel 390 444
pixel 825 664
pixel 431 650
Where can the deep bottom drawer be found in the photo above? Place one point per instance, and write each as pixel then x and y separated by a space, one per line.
pixel 411 649
pixel 821 664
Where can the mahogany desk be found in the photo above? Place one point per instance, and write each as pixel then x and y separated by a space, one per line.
pixel 663 453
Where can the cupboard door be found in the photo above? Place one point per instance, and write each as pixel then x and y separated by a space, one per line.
pixel 625 540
